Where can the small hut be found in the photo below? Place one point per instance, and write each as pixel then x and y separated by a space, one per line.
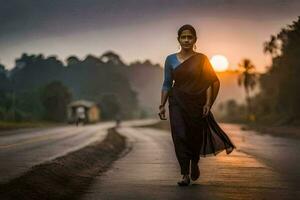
pixel 87 111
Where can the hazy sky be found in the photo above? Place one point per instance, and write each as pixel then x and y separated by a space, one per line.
pixel 140 29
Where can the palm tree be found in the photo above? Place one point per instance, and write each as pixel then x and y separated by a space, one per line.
pixel 247 79
pixel 272 47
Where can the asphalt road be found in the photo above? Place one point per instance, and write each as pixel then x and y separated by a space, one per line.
pixel 22 149
pixel 262 167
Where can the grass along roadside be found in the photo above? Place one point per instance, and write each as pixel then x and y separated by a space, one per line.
pixel 66 177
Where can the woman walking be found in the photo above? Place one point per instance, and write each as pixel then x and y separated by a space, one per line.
pixel 194 130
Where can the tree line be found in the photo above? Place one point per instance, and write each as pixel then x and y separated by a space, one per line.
pixel 39 87
pixel 278 100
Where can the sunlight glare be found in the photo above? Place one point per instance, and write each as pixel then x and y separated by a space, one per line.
pixel 219 63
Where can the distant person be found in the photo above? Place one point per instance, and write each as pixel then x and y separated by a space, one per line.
pixel 80 115
pixel 194 130
pixel 118 120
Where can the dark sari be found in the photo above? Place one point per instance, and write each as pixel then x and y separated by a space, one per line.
pixel 193 134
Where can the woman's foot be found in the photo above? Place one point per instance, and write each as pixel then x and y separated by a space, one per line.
pixel 185 181
pixel 195 172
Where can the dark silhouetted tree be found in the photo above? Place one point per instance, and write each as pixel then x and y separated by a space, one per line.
pixel 280 85
pixel 110 106
pixel 112 58
pixel 72 60
pixel 247 79
pixel 55 98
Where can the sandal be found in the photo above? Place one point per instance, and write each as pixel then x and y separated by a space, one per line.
pixel 184 181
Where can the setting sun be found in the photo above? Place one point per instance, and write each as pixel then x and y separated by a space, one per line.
pixel 219 63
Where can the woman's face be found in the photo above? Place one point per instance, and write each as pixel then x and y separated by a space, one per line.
pixel 187 39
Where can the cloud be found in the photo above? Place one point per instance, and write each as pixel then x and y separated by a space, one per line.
pixel 19 17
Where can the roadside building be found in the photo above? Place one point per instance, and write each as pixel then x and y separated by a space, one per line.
pixel 83 110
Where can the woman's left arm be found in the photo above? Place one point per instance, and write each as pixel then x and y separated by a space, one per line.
pixel 214 91
pixel 210 96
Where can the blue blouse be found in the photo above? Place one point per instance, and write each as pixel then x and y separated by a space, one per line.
pixel 171 63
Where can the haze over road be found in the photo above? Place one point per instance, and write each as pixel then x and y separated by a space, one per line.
pixel 262 167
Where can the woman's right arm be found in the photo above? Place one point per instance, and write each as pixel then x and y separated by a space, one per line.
pixel 164 97
pixel 167 84
pixel 162 109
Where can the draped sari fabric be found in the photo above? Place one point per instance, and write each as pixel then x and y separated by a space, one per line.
pixel 195 135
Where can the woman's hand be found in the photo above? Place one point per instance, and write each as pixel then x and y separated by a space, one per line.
pixel 162 113
pixel 206 109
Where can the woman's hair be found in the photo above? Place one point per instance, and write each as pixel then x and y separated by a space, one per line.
pixel 186 27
